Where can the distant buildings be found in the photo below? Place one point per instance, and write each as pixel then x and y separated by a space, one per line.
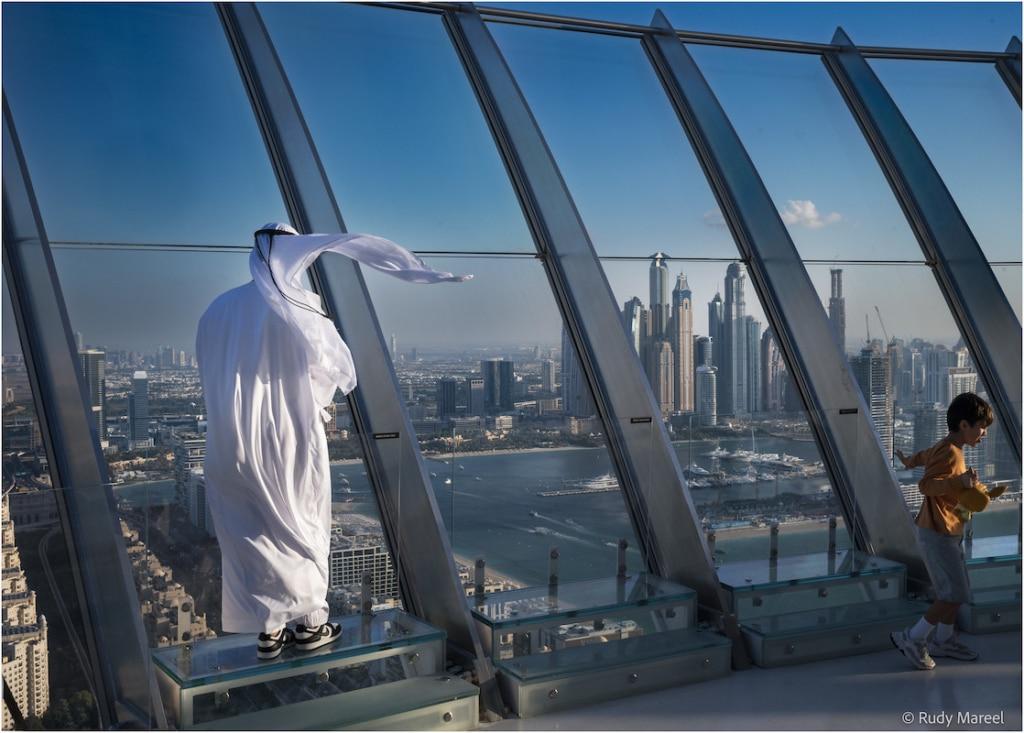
pixel 447 393
pixel 25 637
pixel 681 323
pixel 198 507
pixel 837 310
pixel 706 395
pixel 871 370
pixel 138 412
pixel 189 454
pixel 354 555
pixel 576 399
pixel 93 364
pixel 499 382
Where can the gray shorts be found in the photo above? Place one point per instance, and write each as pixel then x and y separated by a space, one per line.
pixel 944 557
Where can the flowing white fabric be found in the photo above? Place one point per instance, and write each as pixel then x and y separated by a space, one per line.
pixel 269 363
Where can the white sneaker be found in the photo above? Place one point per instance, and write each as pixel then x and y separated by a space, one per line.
pixel 307 639
pixel 953 648
pixel 270 646
pixel 914 650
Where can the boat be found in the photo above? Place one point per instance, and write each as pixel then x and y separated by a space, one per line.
pixel 697 470
pixel 447 482
pixel 534 514
pixel 477 478
pixel 433 475
pixel 605 482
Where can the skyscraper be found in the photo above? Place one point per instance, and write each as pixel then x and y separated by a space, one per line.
pixel 547 375
pixel 705 394
pixel 506 384
pixel 492 385
pixel 476 404
pixel 837 310
pixel 961 379
pixel 733 364
pixel 93 364
pixel 682 345
pixel 446 392
pixel 773 374
pixel 929 428
pixel 576 399
pixel 938 361
pixel 717 335
pixel 702 347
pixel 871 370
pixel 659 296
pixel 78 340
pixel 662 376
pixel 753 334
pixel 394 347
pixel 138 409
pixel 633 321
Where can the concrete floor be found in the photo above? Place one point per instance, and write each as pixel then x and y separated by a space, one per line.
pixel 864 692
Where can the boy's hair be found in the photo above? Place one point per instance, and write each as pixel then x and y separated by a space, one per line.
pixel 968 406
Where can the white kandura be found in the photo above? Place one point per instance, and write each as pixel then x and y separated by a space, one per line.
pixel 269 364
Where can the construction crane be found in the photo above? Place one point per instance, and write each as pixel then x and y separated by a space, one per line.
pixel 884 332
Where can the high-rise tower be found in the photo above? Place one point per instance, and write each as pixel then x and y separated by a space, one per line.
pixel 576 399
pixel 871 370
pixel 659 296
pixel 138 409
pixel 733 370
pixel 93 364
pixel 682 345
pixel 837 309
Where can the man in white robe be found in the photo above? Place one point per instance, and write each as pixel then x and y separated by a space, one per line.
pixel 270 362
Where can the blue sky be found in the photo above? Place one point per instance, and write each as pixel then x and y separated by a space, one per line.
pixel 136 129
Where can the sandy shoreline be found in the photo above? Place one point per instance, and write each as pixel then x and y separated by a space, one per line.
pixel 443 457
pixel 488 571
pixel 802 525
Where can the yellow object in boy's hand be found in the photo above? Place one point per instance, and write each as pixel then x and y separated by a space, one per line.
pixel 974 499
pixel 996 491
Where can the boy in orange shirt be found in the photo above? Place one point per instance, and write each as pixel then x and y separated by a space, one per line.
pixel 948 485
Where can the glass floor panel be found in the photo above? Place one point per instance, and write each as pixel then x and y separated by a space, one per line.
pixel 593 657
pixel 234 656
pixel 999 595
pixel 983 549
pixel 509 609
pixel 837 619
pixel 797 569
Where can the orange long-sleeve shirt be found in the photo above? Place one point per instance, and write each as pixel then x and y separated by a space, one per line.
pixel 941 485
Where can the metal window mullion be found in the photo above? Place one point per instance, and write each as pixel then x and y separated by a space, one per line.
pixel 114 637
pixel 410 518
pixel 1009 68
pixel 979 306
pixel 870 498
pixel 661 510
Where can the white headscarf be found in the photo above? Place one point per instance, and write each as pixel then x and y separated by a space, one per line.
pixel 277 263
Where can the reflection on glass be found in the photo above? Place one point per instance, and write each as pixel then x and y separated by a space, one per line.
pixel 969 125
pixel 45 664
pixel 1009 277
pixel 617 141
pixel 909 365
pixel 135 124
pixel 515 452
pixel 398 128
pixel 734 415
pixel 141 337
pixel 810 153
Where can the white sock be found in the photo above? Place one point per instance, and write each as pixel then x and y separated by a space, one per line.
pixel 921 630
pixel 943 632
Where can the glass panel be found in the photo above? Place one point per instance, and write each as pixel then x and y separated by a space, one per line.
pixel 810 153
pixel 45 662
pixel 155 455
pixel 969 124
pixel 488 372
pixel 632 174
pixel 1009 277
pixel 909 362
pixel 398 127
pixel 135 124
pixel 748 464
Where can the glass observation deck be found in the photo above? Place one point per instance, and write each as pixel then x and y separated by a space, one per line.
pixel 818 606
pixel 570 644
pixel 386 669
pixel 993 567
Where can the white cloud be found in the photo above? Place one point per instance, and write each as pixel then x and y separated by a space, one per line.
pixel 805 214
pixel 714 218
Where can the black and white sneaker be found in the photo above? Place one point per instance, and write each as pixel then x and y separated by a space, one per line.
pixel 307 639
pixel 270 646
